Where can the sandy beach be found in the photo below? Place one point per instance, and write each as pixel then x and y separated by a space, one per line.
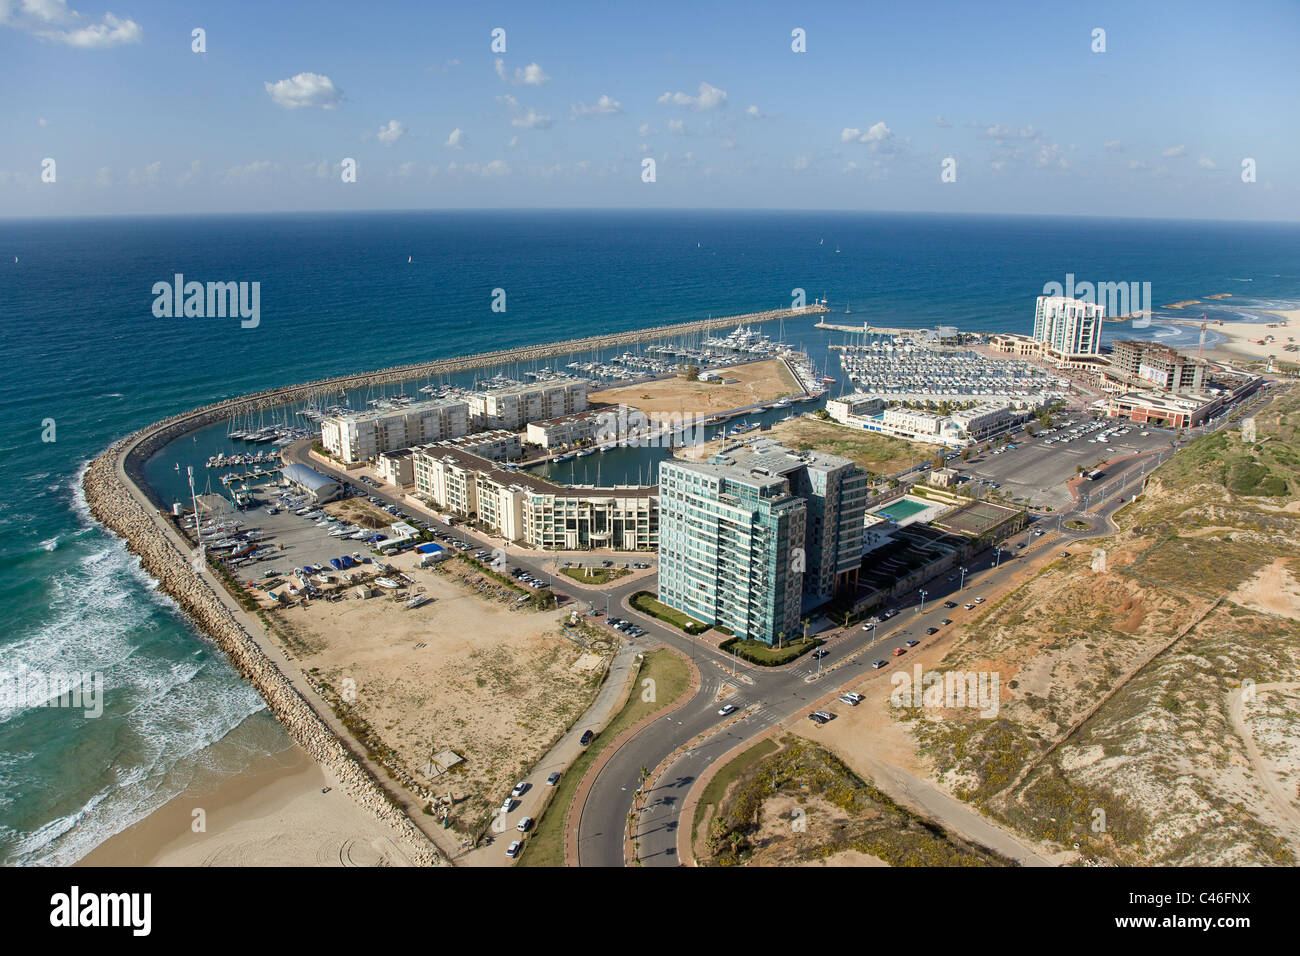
pixel 1242 338
pixel 273 814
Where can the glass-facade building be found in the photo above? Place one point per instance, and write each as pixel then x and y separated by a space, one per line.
pixel 743 538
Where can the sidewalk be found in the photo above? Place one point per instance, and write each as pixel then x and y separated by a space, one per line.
pixel 537 798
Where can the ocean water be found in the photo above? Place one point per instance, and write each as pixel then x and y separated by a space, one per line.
pixel 82 350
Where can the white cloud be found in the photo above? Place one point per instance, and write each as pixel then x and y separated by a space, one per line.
pixel 753 112
pixel 255 171
pixel 456 140
pixel 150 176
pixel 877 133
pixel 1174 151
pixel 677 127
pixel 1205 163
pixel 52 20
pixel 802 162
pixel 602 107
pixel 512 142
pixel 530 75
pixel 525 119
pixel 191 174
pixel 941 122
pixel 645 129
pixel 727 143
pixel 1137 164
pixel 498 167
pixel 1051 156
pixel 1114 146
pixel 305 89
pixel 43 121
pixel 709 98
pixel 1003 133
pixel 446 67
pixel 391 132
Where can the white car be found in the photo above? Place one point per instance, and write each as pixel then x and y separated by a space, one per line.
pixel 524 825
pixel 513 849
pixel 519 789
pixel 728 709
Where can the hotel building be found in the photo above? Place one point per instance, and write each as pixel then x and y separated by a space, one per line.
pixel 1151 363
pixel 1068 327
pixel 744 537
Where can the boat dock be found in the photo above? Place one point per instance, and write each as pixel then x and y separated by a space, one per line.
pixel 865 329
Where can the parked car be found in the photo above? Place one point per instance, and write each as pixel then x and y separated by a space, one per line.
pixel 587 737
pixel 552 780
pixel 520 789
pixel 946 621
pixel 969 607
pixel 846 699
pixel 513 849
pixel 876 665
pixel 524 825
pixel 820 653
pixel 950 604
pixel 899 652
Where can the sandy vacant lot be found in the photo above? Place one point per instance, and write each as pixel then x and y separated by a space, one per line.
pixel 879 454
pixel 756 382
pixel 462 673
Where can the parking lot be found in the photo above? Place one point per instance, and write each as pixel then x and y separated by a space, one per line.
pixel 1037 469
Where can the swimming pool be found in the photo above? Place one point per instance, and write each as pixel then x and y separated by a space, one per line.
pixel 900 509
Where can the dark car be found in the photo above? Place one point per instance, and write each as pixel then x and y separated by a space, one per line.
pixel 949 605
pixel 820 653
pixel 587 737
pixel 929 630
pixel 911 643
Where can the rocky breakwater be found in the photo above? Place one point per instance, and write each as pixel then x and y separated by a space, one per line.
pixel 112 502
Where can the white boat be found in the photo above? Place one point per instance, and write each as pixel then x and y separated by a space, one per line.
pixel 387 583
pixel 417 600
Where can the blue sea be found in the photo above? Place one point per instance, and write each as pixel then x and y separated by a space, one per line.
pixel 86 362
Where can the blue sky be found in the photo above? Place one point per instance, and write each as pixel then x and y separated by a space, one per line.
pixel 1156 126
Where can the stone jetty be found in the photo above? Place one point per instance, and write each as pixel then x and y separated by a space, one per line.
pixel 120 498
pixel 164 555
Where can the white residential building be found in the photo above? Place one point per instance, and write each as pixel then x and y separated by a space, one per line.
pixel 514 406
pixel 1069 326
pixel 365 435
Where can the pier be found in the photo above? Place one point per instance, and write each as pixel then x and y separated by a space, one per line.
pixel 864 329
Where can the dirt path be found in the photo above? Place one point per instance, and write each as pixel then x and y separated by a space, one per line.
pixel 1281 801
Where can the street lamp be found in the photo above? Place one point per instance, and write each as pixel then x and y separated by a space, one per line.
pixel 963 580
pixel 997 556
pixel 920 610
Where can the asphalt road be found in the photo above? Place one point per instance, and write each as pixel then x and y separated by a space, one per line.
pixel 767 696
